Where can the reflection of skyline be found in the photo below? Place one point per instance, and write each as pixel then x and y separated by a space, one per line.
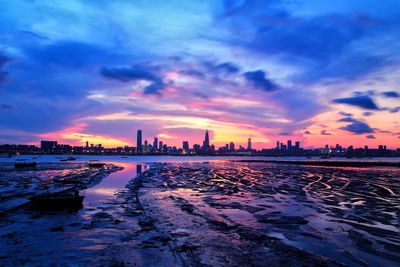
pixel 114 182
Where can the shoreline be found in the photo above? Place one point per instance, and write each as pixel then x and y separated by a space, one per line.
pixel 199 155
pixel 329 163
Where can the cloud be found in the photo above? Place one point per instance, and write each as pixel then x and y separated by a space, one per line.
pixel 136 73
pixel 227 67
pixel 368 114
pixel 394 110
pixel 6 107
pixel 347 119
pixel 325 132
pixel 370 136
pixel 323 45
pixel 259 81
pixel 345 114
pixel 307 132
pixel 391 94
pixel 362 101
pixel 3 61
pixel 71 54
pixel 193 72
pixel 358 127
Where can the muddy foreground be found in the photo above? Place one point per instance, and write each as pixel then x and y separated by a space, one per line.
pixel 221 214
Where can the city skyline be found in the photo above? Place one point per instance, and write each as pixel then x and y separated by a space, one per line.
pixel 205 147
pixel 267 70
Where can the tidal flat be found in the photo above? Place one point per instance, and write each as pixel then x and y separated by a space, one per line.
pixel 216 213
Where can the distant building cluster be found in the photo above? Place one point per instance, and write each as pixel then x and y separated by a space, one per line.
pixel 158 147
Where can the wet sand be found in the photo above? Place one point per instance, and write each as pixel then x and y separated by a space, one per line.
pixel 219 213
pixel 240 214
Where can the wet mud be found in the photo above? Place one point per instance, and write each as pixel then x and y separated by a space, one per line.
pixel 219 213
pixel 258 214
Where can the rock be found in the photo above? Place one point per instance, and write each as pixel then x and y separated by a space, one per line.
pixel 146 224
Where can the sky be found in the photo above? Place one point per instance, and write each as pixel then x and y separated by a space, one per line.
pixel 321 72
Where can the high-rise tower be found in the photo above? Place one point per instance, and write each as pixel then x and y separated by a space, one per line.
pixel 206 143
pixel 139 145
pixel 155 144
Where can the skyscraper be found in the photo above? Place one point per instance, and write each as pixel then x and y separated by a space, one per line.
pixel 231 146
pixel 155 144
pixel 298 145
pixel 139 145
pixel 249 144
pixel 185 146
pixel 289 144
pixel 206 142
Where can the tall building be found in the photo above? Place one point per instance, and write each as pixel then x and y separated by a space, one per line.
pixel 160 145
pixel 249 144
pixel 277 145
pixel 289 144
pixel 139 145
pixel 231 146
pixel 196 148
pixel 155 144
pixel 87 144
pixel 48 145
pixel 206 142
pixel 297 145
pixel 185 146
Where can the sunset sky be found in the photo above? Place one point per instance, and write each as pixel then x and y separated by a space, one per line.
pixel 322 72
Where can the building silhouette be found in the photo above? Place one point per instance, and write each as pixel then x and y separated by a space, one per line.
pixel 48 145
pixel 139 145
pixel 155 144
pixel 206 142
pixel 185 146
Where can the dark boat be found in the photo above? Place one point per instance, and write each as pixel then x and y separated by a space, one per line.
pixel 58 201
pixel 25 164
pixel 96 165
pixel 68 159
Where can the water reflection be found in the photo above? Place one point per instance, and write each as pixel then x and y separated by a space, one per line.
pixel 113 183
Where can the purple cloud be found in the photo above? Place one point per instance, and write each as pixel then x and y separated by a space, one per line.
pixel 358 127
pixel 362 101
pixel 259 81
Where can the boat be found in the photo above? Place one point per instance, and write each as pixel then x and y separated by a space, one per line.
pixel 58 201
pixel 96 164
pixel 68 159
pixel 25 164
pixel 124 157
